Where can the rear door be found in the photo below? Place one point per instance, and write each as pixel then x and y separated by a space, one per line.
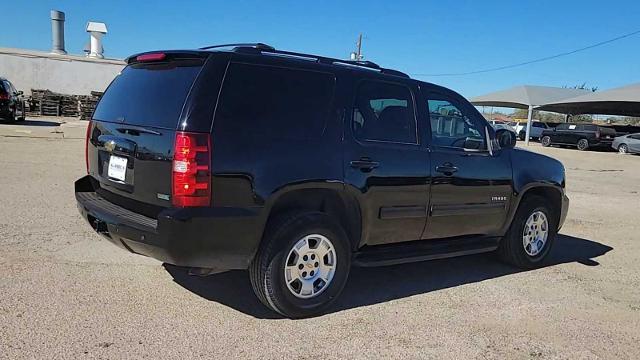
pixel 130 147
pixel 470 187
pixel 385 164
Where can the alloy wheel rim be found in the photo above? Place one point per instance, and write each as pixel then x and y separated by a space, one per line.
pixel 546 140
pixel 310 266
pixel 622 149
pixel 535 233
pixel 582 144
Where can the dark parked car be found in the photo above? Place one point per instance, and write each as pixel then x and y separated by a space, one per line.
pixel 295 167
pixel 12 104
pixel 582 136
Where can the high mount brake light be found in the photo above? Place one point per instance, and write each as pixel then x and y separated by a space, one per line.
pixel 191 170
pixel 151 57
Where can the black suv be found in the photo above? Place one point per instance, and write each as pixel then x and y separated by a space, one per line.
pixel 12 105
pixel 296 166
pixel 582 136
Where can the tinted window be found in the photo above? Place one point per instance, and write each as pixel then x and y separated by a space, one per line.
pixel 451 126
pixel 384 112
pixel 274 101
pixel 562 127
pixel 148 95
pixel 538 125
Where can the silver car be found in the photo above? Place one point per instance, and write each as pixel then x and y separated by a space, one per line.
pixel 627 144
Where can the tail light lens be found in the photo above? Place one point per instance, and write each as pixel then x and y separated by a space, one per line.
pixel 191 174
pixel 86 146
pixel 4 95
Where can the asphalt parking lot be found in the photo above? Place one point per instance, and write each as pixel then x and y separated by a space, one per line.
pixel 64 293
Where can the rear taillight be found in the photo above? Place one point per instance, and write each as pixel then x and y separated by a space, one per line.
pixel 191 173
pixel 4 95
pixel 86 146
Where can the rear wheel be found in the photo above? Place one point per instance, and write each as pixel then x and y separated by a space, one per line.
pixel 546 141
pixel 522 135
pixel 11 116
pixel 583 144
pixel 531 235
pixel 623 149
pixel 22 114
pixel 302 265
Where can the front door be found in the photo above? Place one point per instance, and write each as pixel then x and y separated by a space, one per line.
pixel 385 165
pixel 471 187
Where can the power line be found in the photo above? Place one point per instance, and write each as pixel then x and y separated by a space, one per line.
pixel 535 60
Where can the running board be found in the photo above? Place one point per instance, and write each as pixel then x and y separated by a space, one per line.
pixel 421 250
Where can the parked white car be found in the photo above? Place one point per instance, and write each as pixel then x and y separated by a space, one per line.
pixel 537 128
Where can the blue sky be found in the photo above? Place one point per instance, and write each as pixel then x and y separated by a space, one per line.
pixel 411 36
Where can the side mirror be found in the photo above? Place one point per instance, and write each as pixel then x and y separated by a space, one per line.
pixel 506 138
pixel 19 92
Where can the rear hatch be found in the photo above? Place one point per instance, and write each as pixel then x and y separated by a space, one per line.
pixel 131 138
pixel 607 133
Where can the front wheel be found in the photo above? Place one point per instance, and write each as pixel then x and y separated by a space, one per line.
pixel 546 141
pixel 302 265
pixel 623 149
pixel 583 144
pixel 531 235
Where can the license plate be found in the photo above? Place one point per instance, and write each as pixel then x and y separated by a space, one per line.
pixel 117 167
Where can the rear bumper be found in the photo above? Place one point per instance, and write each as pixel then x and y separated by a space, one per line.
pixel 216 238
pixel 603 143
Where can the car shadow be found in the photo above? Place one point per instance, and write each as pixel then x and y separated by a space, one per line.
pixel 34 123
pixel 368 286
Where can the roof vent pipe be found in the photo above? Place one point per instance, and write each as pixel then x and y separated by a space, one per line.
pixel 96 31
pixel 57 32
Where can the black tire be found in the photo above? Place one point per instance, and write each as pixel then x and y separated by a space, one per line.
pixel 582 144
pixel 512 250
pixel 546 141
pixel 11 116
pixel 623 149
pixel 267 268
pixel 522 135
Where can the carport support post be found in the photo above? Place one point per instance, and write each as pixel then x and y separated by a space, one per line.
pixel 529 120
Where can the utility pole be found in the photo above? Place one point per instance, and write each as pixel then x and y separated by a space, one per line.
pixel 357 55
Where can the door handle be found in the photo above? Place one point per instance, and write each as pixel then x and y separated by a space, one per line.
pixel 447 168
pixel 364 164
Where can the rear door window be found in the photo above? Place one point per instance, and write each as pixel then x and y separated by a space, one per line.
pixel 274 101
pixel 149 94
pixel 384 112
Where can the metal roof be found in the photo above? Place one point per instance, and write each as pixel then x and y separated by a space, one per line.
pixel 623 101
pixel 523 96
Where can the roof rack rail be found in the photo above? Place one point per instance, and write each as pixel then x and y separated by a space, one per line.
pixel 259 46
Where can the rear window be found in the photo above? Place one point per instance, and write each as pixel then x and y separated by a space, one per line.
pixel 149 94
pixel 274 101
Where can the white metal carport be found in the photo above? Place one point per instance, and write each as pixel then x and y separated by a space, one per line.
pixel 527 97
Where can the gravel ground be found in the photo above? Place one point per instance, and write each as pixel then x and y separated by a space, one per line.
pixel 64 293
